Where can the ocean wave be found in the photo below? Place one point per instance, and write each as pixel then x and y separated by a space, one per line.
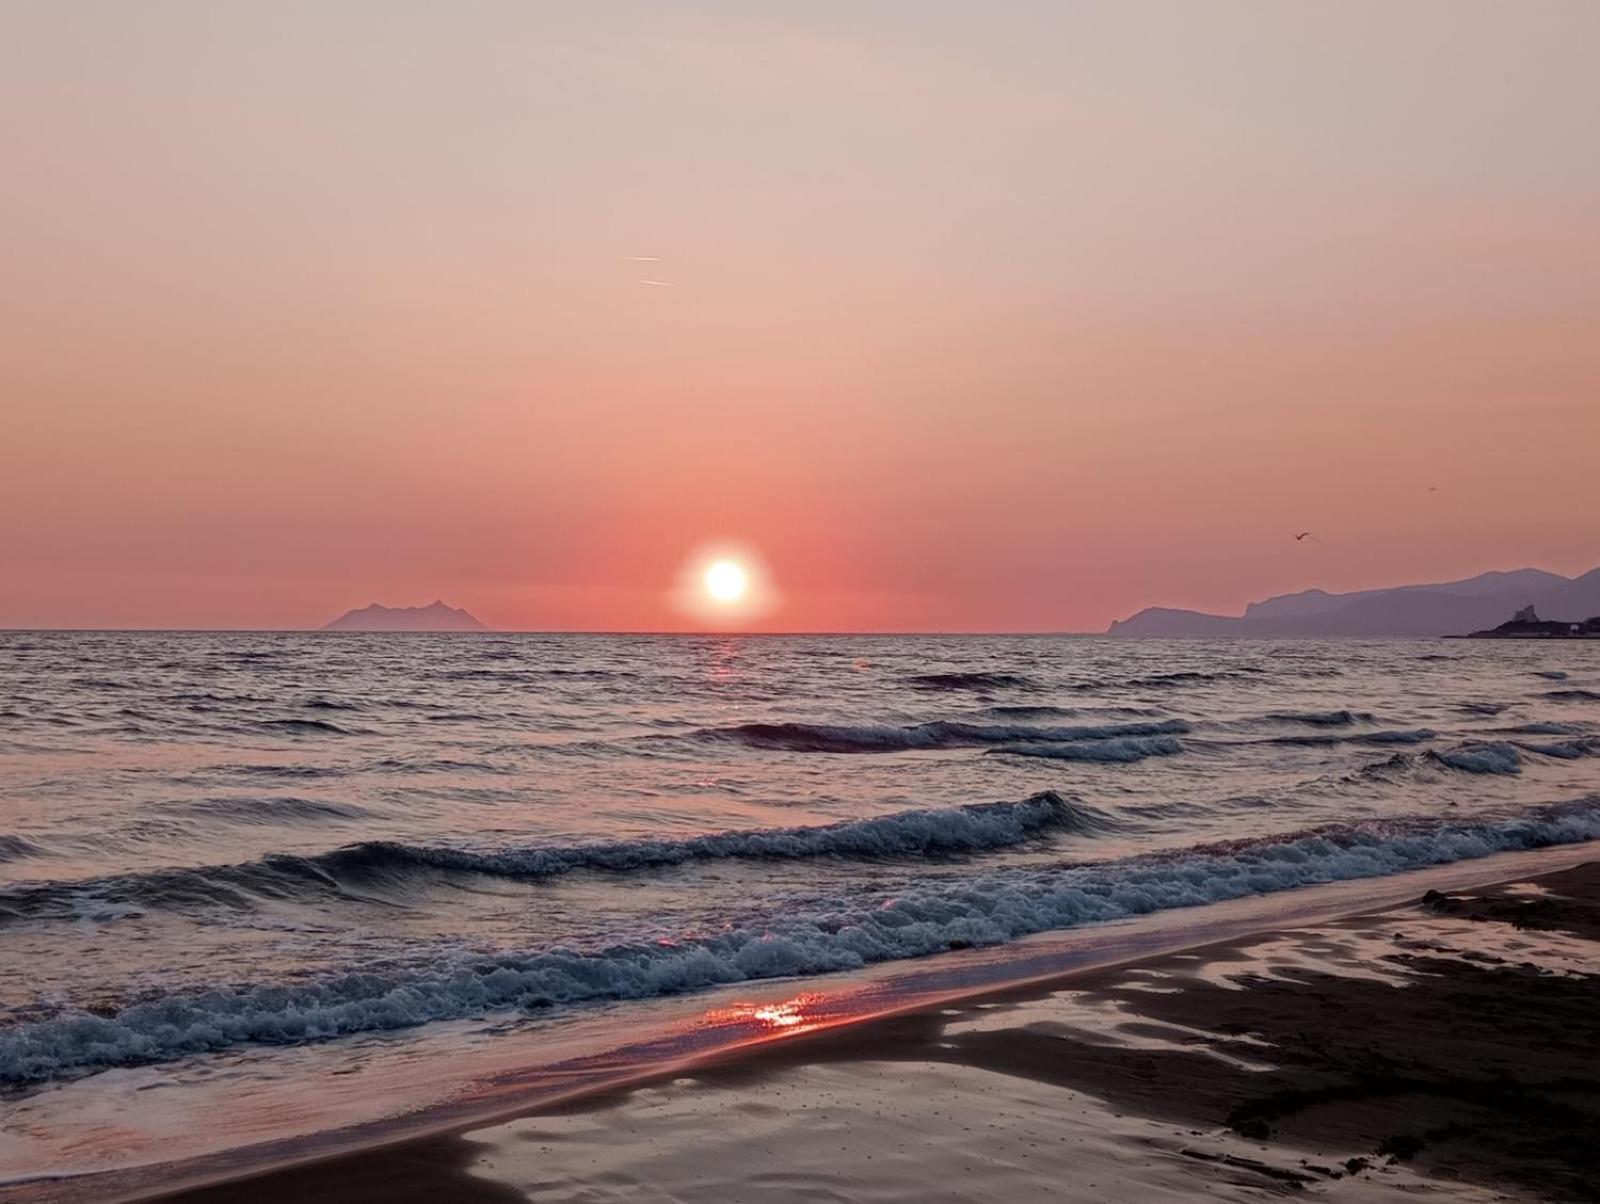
pixel 1543 729
pixel 983 910
pixel 535 674
pixel 270 811
pixel 969 681
pixel 941 734
pixel 1184 809
pixel 1566 750
pixel 304 726
pixel 394 867
pixel 1342 718
pixel 1178 678
pixel 1418 735
pixel 1399 763
pixel 1119 749
pixel 1495 757
pixel 1574 694
pixel 509 675
pixel 1551 674
pixel 200 700
pixel 1047 711
pixel 286 772
pixel 15 848
pixel 434 765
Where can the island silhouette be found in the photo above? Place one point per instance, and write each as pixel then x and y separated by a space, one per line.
pixel 436 616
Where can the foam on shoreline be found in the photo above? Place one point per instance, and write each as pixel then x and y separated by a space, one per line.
pixel 985 910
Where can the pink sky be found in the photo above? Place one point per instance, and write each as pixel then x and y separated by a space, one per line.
pixel 1016 316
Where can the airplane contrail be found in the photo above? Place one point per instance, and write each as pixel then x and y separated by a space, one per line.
pixel 644 259
pixel 658 283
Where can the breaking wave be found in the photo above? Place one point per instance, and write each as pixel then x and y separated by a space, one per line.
pixel 392 867
pixel 850 934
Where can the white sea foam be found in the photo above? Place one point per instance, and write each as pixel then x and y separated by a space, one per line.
pixel 866 929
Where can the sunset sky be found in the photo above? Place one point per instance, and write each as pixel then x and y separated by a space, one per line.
pixel 1007 316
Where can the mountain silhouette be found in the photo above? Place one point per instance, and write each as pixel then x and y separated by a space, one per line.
pixel 1443 608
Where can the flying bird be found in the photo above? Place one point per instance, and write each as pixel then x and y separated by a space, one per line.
pixel 1299 535
pixel 644 259
pixel 657 283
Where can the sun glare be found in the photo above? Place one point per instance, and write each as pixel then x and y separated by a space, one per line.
pixel 724 585
pixel 726 581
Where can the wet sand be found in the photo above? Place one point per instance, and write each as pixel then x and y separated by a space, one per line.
pixel 1445 1050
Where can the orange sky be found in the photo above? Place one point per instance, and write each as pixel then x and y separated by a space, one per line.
pixel 1001 317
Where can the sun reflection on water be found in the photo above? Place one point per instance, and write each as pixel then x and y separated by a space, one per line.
pixel 785 1016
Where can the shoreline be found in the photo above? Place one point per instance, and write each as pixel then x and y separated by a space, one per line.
pixel 1438 1064
pixel 838 1019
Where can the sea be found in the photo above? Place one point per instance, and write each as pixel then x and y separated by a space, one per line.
pixel 235 864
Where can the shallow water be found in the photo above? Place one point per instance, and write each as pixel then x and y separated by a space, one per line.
pixel 216 843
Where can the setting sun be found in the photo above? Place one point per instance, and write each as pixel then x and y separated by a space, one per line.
pixel 724 584
pixel 726 581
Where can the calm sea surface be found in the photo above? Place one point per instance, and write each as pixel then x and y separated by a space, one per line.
pixel 216 843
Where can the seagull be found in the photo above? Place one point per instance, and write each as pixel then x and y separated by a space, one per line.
pixel 1299 535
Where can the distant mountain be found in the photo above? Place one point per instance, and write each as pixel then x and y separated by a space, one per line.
pixel 1574 599
pixel 1320 602
pixel 435 617
pixel 1444 608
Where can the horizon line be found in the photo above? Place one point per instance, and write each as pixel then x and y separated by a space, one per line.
pixel 536 631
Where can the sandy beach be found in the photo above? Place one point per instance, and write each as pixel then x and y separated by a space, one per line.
pixel 1441 1050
